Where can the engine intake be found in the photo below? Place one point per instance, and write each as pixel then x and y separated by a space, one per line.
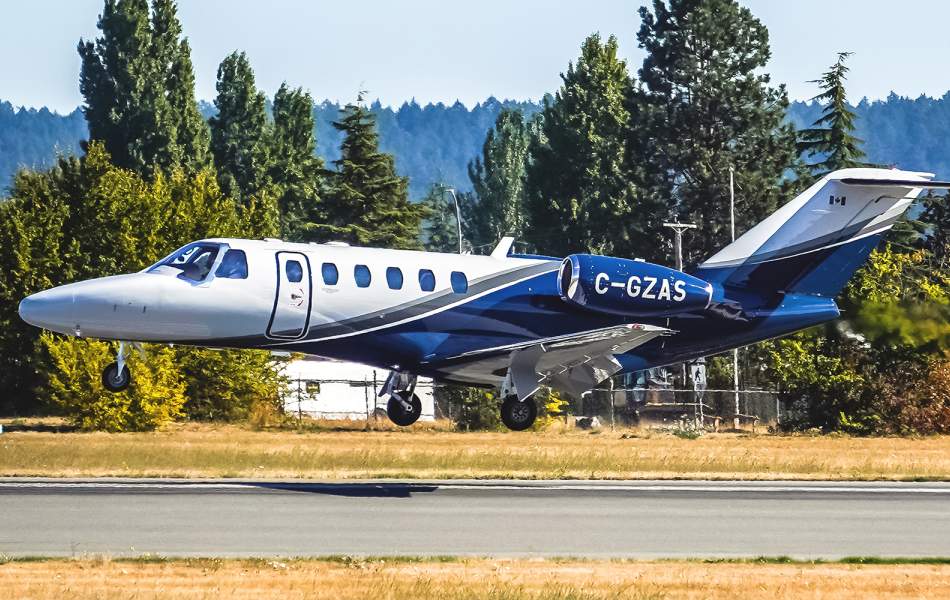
pixel 630 287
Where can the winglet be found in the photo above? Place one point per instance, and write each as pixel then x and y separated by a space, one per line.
pixel 503 248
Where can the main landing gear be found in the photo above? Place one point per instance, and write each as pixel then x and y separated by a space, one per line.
pixel 404 407
pixel 517 414
pixel 116 376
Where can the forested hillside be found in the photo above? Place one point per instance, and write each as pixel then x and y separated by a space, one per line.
pixel 435 142
pixel 31 138
pixel 431 143
pixel 912 133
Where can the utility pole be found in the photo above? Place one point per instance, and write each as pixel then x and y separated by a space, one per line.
pixel 735 351
pixel 678 229
pixel 458 213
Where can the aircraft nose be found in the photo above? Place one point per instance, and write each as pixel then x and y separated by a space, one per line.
pixel 50 309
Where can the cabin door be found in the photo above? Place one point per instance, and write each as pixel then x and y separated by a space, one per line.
pixel 294 295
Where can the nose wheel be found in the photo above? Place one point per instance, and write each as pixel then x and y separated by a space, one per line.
pixel 116 376
pixel 518 415
pixel 403 408
pixel 114 379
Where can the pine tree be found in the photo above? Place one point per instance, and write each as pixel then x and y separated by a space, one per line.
pixel 193 135
pixel 498 180
pixel 705 106
pixel 240 133
pixel 295 170
pixel 580 197
pixel 367 203
pixel 831 136
pixel 138 84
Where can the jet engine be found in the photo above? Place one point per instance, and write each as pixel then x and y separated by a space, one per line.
pixel 632 288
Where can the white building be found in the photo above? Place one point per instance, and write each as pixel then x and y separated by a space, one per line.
pixel 330 389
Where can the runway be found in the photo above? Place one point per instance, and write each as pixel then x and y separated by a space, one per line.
pixel 642 519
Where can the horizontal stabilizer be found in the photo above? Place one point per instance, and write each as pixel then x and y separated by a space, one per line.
pixel 939 185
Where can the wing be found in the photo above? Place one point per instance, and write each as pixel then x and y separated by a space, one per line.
pixel 574 363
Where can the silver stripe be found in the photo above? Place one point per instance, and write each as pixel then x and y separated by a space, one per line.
pixel 440 309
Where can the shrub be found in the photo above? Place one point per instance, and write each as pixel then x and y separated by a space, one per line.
pixel 74 388
pixel 224 385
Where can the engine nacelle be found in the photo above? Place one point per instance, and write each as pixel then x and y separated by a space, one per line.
pixel 630 287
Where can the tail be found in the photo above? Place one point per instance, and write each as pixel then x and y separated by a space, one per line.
pixel 813 244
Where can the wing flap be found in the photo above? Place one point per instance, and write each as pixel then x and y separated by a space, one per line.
pixel 574 363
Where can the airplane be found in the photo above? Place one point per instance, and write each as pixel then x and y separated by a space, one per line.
pixel 506 320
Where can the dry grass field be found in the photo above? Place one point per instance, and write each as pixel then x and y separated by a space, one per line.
pixel 229 451
pixel 469 579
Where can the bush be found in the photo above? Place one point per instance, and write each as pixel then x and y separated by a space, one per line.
pixel 224 385
pixel 478 409
pixel 551 405
pixel 74 388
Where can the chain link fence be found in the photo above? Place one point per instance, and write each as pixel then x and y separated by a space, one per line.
pixel 652 405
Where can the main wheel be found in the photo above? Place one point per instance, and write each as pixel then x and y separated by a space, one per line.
pixel 399 414
pixel 517 415
pixel 116 381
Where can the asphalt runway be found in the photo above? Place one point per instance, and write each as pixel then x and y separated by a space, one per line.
pixel 644 519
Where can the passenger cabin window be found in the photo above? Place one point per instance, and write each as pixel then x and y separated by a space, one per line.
pixel 459 282
pixel 426 280
pixel 194 261
pixel 233 265
pixel 330 274
pixel 362 276
pixel 294 271
pixel 394 278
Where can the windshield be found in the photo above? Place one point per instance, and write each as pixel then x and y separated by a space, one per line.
pixel 194 261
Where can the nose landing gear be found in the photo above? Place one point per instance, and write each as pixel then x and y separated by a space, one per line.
pixel 116 376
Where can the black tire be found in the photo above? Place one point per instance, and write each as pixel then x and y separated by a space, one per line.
pixel 397 412
pixel 518 416
pixel 114 381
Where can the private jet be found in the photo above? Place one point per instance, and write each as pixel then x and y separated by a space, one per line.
pixel 506 320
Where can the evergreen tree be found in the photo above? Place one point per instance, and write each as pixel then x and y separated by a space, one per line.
pixel 831 136
pixel 367 203
pixel 240 133
pixel 295 170
pixel 138 85
pixel 440 227
pixel 498 180
pixel 580 197
pixel 705 106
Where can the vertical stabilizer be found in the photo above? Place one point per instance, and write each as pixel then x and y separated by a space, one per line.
pixel 813 244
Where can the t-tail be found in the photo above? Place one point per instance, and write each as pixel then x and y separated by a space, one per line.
pixel 815 243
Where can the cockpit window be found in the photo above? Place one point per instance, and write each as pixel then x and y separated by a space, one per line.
pixel 194 261
pixel 233 265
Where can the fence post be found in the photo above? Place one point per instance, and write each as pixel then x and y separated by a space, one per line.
pixel 611 399
pixel 366 402
pixel 299 410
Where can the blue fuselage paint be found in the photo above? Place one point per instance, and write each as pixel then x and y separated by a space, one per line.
pixel 533 309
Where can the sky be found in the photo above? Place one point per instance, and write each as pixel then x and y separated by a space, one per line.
pixel 443 50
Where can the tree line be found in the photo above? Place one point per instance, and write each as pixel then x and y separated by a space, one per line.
pixel 609 157
pixel 435 142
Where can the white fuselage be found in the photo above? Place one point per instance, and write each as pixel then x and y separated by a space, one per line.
pixel 159 304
